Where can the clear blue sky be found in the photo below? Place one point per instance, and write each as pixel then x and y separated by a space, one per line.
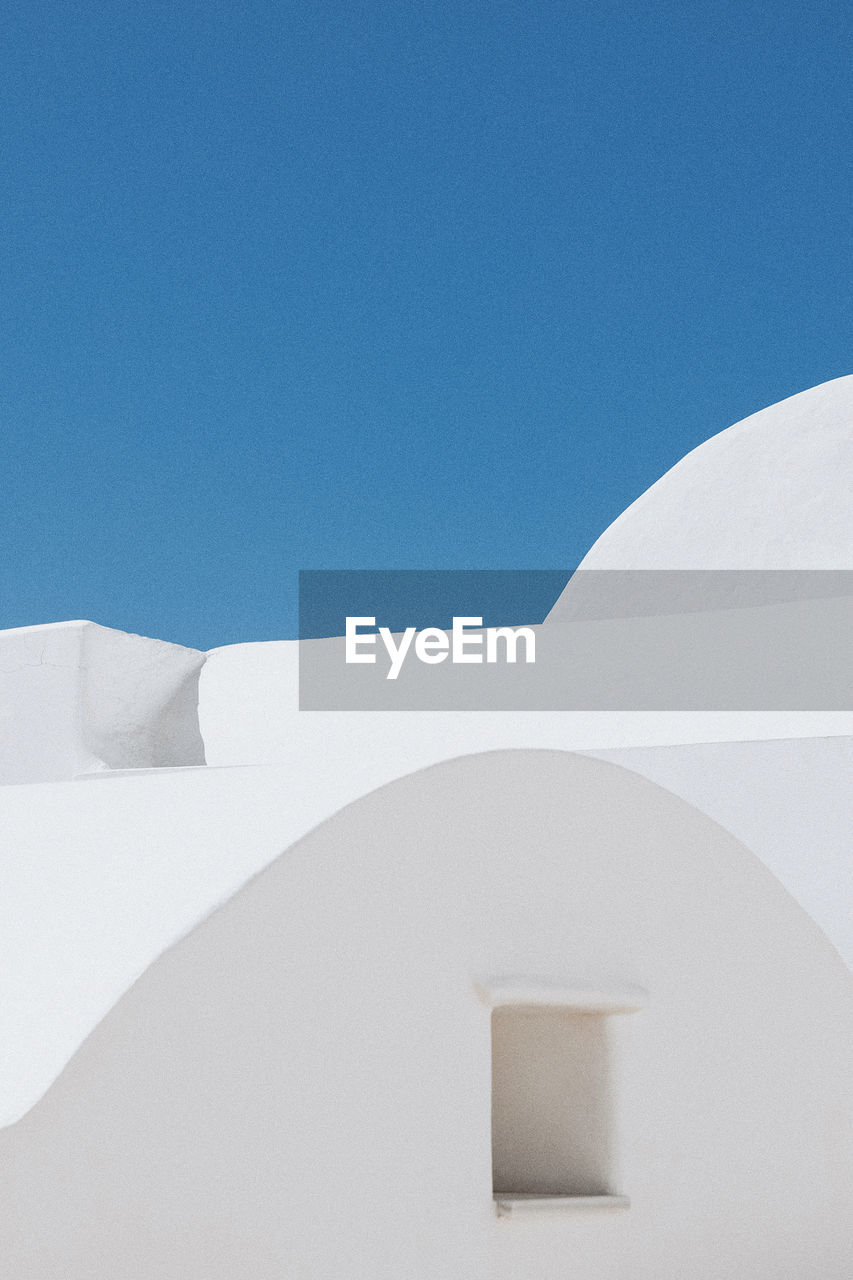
pixel 415 284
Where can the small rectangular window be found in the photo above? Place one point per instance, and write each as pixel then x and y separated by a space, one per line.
pixel 551 1103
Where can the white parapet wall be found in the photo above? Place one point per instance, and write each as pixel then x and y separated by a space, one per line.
pixel 249 714
pixel 76 697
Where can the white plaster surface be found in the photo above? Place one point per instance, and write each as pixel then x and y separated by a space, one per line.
pixel 770 492
pixel 782 782
pixel 75 696
pixel 40 731
pixel 103 874
pixel 790 802
pixel 249 714
pixel 302 1086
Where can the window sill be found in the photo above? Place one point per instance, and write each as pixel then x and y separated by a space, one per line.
pixel 508 1205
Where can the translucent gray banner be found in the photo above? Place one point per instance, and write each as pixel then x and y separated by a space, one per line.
pixel 614 640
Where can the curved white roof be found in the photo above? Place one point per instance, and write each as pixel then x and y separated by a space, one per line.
pixel 771 492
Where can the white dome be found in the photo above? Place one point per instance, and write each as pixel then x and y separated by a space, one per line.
pixel 772 492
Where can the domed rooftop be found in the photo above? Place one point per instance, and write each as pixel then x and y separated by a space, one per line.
pixel 774 491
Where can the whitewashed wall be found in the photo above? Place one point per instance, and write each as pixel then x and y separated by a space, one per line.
pixel 302 1086
pixel 76 697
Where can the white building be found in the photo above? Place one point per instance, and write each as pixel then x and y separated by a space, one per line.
pixel 432 994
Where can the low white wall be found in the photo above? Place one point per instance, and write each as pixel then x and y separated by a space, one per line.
pixel 40 730
pixel 249 714
pixel 75 697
